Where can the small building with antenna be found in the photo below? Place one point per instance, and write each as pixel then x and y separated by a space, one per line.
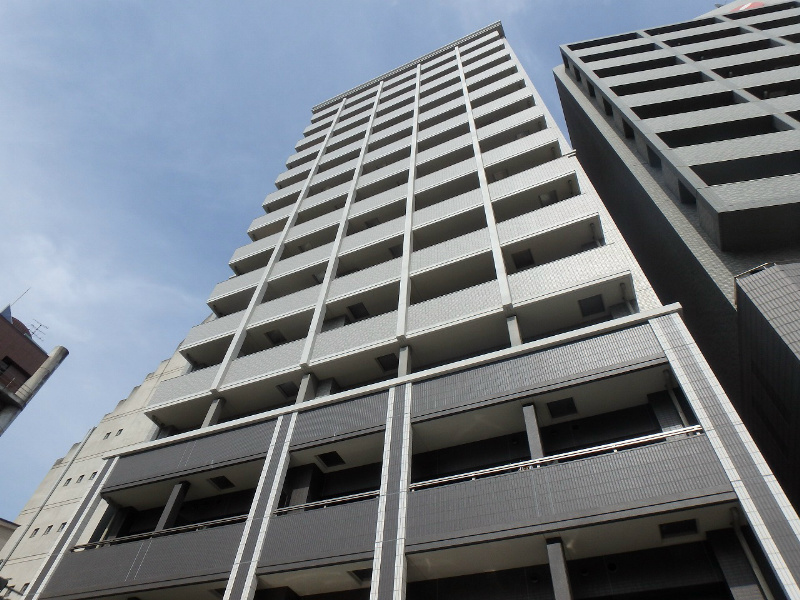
pixel 24 366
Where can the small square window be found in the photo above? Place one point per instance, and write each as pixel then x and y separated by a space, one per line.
pixel 289 389
pixel 359 311
pixel 106 436
pixel 388 362
pixel 48 530
pixel 35 531
pixel 276 337
pixel 607 107
pixel 62 526
pixel 67 482
pixel 79 479
pixel 591 90
pixel 331 459
pixel 678 528
pixel 592 305
pixel 93 475
pixel 523 259
pixel 562 408
pixel 118 432
pixel 221 482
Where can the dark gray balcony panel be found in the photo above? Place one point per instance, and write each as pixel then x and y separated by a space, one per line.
pixel 683 469
pixel 225 447
pixel 554 367
pixel 338 533
pixel 359 415
pixel 203 555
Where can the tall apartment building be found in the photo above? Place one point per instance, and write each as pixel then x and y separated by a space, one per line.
pixel 438 372
pixel 691 134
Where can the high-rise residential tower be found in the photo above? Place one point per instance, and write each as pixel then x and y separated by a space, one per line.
pixel 438 372
pixel 691 134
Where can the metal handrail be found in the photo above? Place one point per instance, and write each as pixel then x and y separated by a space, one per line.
pixel 536 462
pixel 162 532
pixel 325 503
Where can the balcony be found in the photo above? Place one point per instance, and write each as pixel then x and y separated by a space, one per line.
pixel 365 279
pixel 453 172
pixel 579 209
pixel 284 197
pixel 355 337
pixel 283 306
pixel 580 486
pixel 207 343
pixel 202 552
pixel 304 260
pixel 254 255
pixel 195 383
pixel 269 224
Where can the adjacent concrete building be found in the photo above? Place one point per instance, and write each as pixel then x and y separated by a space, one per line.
pixel 437 372
pixel 691 134
pixel 24 367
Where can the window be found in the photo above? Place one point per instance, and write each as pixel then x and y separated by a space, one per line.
pixel 62 526
pixel 24 588
pixel 607 108
pixel 592 305
pixel 93 475
pixel 106 436
pixel 35 531
pixel 79 479
pixel 48 530
pixel 67 482
pixel 118 432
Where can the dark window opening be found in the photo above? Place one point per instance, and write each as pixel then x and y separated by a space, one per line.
pixel 606 428
pixel 472 456
pixel 705 37
pixel 717 132
pixel 617 53
pixel 363 575
pixel 389 362
pixel 577 76
pixel 523 260
pixel 684 105
pixel 331 459
pixel 652 85
pixel 276 337
pixel 221 482
pixel 625 37
pixel 653 158
pixel 607 108
pixel 359 311
pixel 747 169
pixel 562 408
pixel 776 90
pixel 760 66
pixel 645 65
pixel 672 28
pixel 795 115
pixel 289 389
pixel 678 528
pixel 777 23
pixel 592 305
pixel 591 90
pixel 308 483
pixel 793 37
pixel 731 50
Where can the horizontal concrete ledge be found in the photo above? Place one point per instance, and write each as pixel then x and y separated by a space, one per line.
pixel 535 346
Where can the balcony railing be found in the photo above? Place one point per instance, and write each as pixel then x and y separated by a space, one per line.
pixel 562 457
pixel 328 502
pixel 536 141
pixel 161 533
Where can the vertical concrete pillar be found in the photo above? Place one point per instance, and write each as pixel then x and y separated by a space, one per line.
pixel 532 429
pixel 513 330
pixel 174 502
pixel 214 412
pixel 558 569
pixel 305 484
pixel 739 575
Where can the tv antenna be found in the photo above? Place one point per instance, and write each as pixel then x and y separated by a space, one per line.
pixel 39 330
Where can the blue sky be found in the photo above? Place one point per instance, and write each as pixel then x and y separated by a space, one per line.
pixel 138 139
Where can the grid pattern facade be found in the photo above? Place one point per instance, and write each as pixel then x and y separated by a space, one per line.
pixel 691 132
pixel 438 373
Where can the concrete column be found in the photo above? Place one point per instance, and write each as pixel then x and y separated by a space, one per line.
pixel 214 412
pixel 739 575
pixel 308 388
pixel 170 512
pixel 305 484
pixel 558 569
pixel 532 429
pixel 513 330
